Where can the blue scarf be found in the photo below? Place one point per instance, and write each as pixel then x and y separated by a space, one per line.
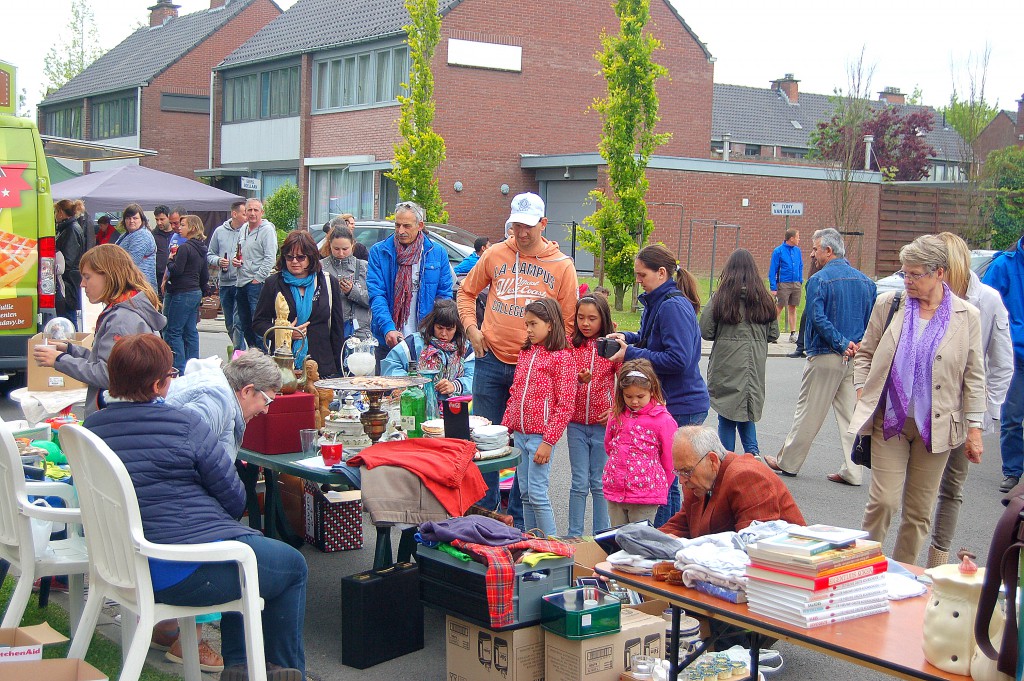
pixel 303 291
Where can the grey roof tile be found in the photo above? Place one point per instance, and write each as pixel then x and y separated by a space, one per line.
pixel 1012 115
pixel 310 25
pixel 146 53
pixel 764 116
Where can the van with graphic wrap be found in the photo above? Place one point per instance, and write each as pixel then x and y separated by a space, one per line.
pixel 28 247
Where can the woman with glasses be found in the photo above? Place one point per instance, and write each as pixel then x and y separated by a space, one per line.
pixel 920 379
pixel 315 304
pixel 110 278
pixel 187 277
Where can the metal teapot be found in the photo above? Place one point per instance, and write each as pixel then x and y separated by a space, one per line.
pixel 284 358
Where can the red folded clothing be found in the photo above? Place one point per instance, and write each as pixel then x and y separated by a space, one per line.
pixel 444 465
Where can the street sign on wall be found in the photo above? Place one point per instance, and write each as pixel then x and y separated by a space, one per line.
pixel 787 208
pixel 250 184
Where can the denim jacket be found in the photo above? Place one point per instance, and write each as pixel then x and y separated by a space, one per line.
pixel 839 302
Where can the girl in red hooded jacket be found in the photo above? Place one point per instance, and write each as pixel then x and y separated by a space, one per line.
pixel 639 444
pixel 595 379
pixel 539 407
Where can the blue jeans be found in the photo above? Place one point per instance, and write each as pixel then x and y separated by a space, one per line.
pixel 1011 432
pixel 532 479
pixel 282 576
pixel 228 298
pixel 245 306
pixel 492 382
pixel 587 458
pixel 748 434
pixel 675 497
pixel 181 310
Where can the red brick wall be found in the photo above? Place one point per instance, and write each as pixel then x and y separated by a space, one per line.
pixel 488 118
pixel 999 134
pixel 182 139
pixel 708 196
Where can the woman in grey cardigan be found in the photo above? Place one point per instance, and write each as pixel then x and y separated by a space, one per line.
pixel 351 274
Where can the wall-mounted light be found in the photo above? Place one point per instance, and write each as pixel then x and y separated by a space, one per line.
pixel 567 175
pixel 458 186
pixel 504 189
pixel 745 203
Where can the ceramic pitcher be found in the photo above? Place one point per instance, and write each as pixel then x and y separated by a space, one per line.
pixel 949 618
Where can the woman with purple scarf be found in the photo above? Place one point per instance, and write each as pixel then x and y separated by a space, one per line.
pixel 921 393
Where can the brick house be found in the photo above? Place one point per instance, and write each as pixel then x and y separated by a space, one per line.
pixel 1005 130
pixel 152 90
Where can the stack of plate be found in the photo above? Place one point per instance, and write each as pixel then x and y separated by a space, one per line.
pixel 490 440
pixel 433 428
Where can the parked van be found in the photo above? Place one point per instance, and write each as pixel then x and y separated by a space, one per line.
pixel 27 231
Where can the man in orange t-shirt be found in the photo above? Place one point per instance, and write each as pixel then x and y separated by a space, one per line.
pixel 522 268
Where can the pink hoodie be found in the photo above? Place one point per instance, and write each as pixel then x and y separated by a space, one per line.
pixel 639 446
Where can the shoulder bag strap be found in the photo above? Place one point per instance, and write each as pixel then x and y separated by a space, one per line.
pixel 1005 540
pixel 892 310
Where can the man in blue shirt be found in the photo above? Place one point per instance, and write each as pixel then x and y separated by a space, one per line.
pixel 1006 275
pixel 839 302
pixel 481 244
pixel 786 277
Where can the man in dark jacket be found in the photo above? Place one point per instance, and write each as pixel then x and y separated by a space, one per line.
pixel 162 235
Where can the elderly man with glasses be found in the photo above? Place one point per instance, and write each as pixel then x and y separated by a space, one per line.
pixel 406 273
pixel 723 491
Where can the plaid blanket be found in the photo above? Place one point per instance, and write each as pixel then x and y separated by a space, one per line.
pixel 501 571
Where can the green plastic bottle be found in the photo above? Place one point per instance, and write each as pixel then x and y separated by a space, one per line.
pixel 413 406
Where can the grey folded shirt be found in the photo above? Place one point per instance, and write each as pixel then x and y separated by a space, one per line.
pixel 646 541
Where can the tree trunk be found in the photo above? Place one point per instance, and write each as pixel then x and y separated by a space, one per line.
pixel 620 293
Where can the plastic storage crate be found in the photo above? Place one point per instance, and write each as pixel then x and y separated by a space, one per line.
pixel 460 587
pixel 567 614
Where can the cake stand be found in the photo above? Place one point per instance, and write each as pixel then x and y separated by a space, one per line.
pixel 375 419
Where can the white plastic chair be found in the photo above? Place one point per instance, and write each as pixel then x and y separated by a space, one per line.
pixel 119 565
pixel 17 547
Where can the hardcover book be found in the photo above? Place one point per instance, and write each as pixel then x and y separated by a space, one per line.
pixel 814 583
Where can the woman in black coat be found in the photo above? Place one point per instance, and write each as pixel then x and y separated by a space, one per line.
pixel 187 278
pixel 312 306
pixel 71 243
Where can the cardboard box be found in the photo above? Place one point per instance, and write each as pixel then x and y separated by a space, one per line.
pixel 477 654
pixel 51 670
pixel 26 643
pixel 603 658
pixel 277 431
pixel 334 521
pixel 48 378
pixel 588 554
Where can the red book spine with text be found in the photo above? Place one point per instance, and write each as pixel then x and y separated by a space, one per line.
pixel 814 583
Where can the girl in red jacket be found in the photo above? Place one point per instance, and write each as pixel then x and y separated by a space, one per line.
pixel 595 378
pixel 639 444
pixel 539 407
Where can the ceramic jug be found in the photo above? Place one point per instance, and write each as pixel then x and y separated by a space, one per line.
pixel 949 618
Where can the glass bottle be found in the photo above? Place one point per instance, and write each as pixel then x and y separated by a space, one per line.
pixel 413 406
pixel 433 409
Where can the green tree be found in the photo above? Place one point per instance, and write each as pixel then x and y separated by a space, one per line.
pixel 422 150
pixel 629 115
pixel 1004 201
pixel 283 208
pixel 77 48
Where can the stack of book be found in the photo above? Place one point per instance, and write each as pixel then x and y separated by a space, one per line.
pixel 817 575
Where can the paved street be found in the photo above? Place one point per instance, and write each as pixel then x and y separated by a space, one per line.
pixel 820 501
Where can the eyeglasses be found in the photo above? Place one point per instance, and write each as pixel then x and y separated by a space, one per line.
pixel 907 276
pixel 266 398
pixel 296 258
pixel 687 473
pixel 173 373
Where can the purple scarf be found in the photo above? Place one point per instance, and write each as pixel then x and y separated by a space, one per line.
pixel 911 371
pixel 407 257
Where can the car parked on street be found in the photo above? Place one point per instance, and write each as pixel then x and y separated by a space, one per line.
pixel 980 260
pixel 456 241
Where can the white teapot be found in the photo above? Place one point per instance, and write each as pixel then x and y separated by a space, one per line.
pixel 949 616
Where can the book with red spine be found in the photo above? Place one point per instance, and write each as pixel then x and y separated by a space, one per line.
pixel 794 579
pixel 817 572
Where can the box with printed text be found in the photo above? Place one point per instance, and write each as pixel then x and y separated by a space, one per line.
pixel 474 653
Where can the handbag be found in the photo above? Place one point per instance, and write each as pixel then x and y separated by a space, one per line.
pixel 861 454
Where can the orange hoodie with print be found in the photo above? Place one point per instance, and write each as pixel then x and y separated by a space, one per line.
pixel 517 280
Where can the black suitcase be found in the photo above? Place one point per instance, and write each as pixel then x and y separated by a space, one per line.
pixel 382 617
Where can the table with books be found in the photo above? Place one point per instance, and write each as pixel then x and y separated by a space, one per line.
pixel 817 592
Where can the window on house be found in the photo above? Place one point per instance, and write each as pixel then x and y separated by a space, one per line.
pixel 64 122
pixel 272 181
pixel 792 152
pixel 388 196
pixel 255 96
pixel 113 118
pixel 751 149
pixel 360 80
pixel 336 190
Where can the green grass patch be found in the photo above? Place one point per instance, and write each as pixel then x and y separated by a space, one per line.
pixel 103 654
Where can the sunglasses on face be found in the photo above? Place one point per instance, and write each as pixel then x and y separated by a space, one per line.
pixel 296 258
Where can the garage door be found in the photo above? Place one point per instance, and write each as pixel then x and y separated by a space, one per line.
pixel 567 203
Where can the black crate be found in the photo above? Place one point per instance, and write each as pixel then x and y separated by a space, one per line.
pixel 461 589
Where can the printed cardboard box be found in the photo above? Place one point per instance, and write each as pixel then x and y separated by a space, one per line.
pixel 604 658
pixel 48 378
pixel 26 643
pixel 334 521
pixel 51 670
pixel 477 654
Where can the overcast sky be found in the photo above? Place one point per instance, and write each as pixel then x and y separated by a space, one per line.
pixel 909 44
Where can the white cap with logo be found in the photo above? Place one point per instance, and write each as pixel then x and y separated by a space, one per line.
pixel 527 208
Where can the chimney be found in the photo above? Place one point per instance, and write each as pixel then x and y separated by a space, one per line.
pixel 162 12
pixel 788 86
pixel 892 95
pixel 214 4
pixel 1020 121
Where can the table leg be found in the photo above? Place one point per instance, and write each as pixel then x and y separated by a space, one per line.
pixel 407 544
pixel 277 522
pixel 673 645
pixel 755 654
pixel 249 476
pixel 382 551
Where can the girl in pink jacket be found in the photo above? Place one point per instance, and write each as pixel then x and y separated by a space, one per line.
pixel 539 407
pixel 639 445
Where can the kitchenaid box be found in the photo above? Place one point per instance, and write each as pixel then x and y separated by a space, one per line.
pixel 26 643
pixel 47 378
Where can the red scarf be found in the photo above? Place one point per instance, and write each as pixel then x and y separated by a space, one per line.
pixel 408 256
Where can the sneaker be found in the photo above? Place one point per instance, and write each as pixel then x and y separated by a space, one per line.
pixel 796 354
pixel 793 337
pixel 209 659
pixel 1009 482
pixel 239 672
